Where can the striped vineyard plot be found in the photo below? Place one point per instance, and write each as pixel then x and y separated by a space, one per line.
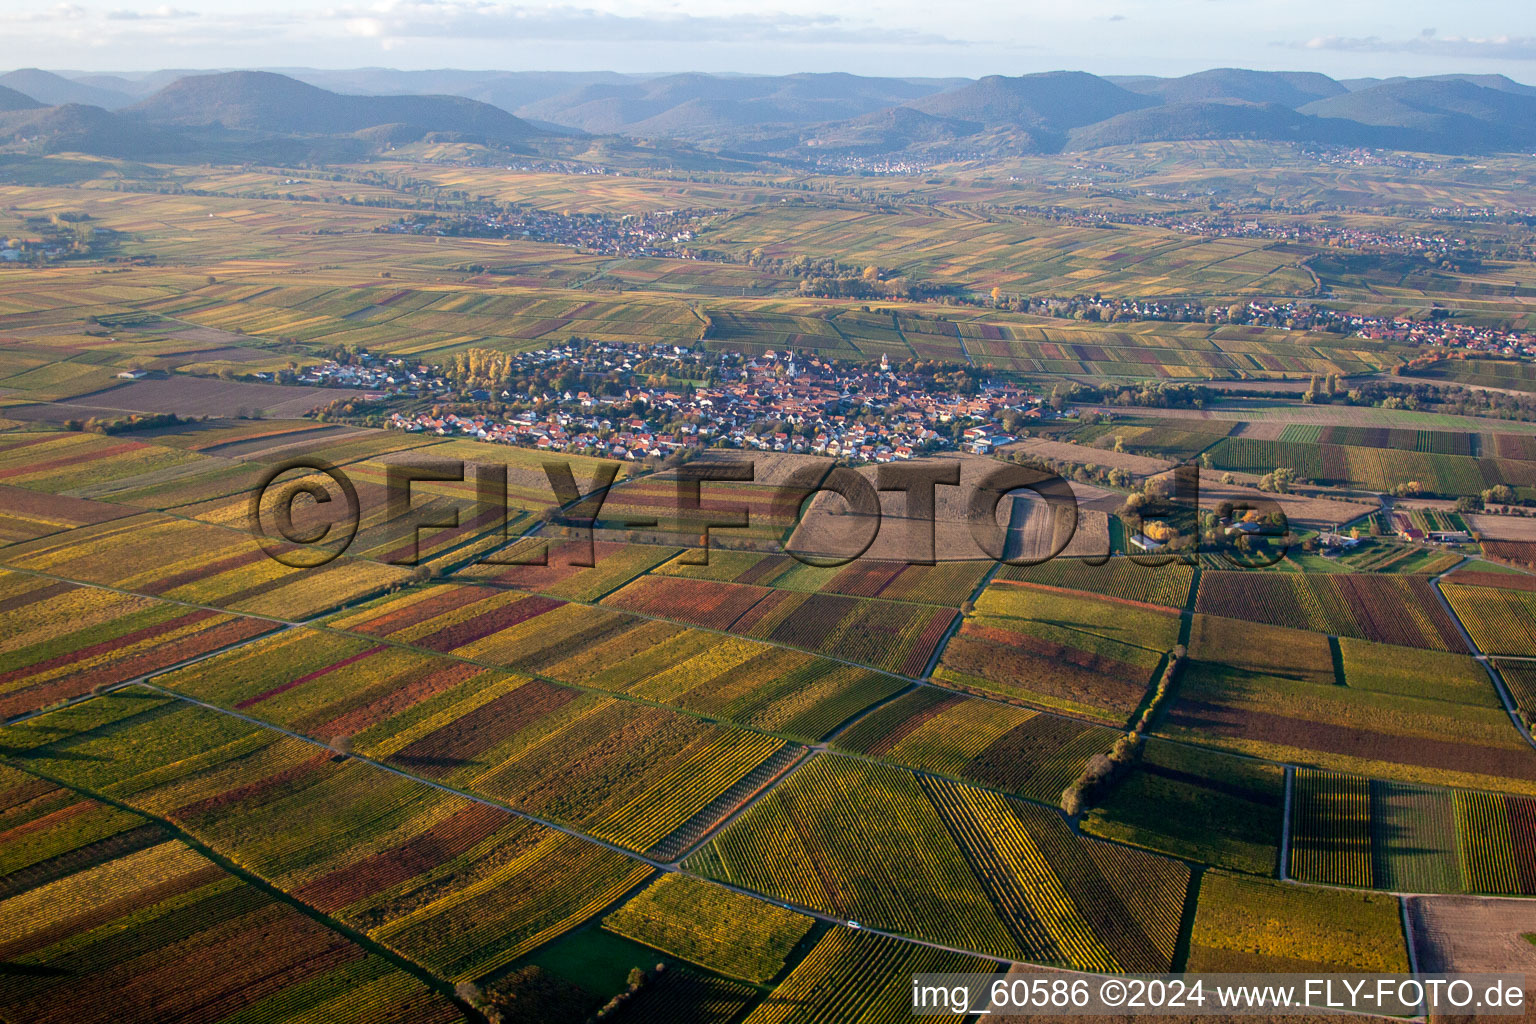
pixel 1085 655
pixel 1100 907
pixel 736 679
pixel 1520 679
pixel 199 563
pixel 1026 752
pixel 690 832
pixel 1387 609
pixel 1500 621
pixel 1331 829
pixel 629 773
pixel 953 864
pixel 1373 833
pixel 1490 861
pixel 716 928
pixel 1413 838
pixel 1346 705
pixel 460 888
pixel 1246 924
pixel 109 918
pixel 1166 585
pixel 65 640
pixel 858 840
pixel 732 678
pixel 886 635
pixel 855 977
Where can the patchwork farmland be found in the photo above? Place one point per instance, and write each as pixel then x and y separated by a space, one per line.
pixel 505 751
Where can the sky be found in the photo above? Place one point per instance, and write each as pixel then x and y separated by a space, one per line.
pixel 907 38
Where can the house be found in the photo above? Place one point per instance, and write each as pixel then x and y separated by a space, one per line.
pixel 133 375
pixel 1146 543
pixel 1449 536
pixel 1329 539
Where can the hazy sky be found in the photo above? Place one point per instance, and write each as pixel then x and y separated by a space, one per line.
pixel 1352 38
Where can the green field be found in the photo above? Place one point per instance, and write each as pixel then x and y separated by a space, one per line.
pixel 1199 805
pixel 1246 924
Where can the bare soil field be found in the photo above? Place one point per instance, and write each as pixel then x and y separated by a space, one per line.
pixel 1516 528
pixel 1037 533
pixel 1263 430
pixel 1258 410
pixel 1061 451
pixel 1285 387
pixel 187 396
pixel 213 337
pixel 1473 933
pixel 209 344
pixel 222 354
pixel 829 526
pixel 27 514
pixel 1303 510
pixel 1471 575
pixel 258 447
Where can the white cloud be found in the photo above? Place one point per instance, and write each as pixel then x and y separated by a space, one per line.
pixel 394 25
pixel 490 19
pixel 881 37
pixel 1430 44
pixel 56 13
pixel 368 28
pixel 162 13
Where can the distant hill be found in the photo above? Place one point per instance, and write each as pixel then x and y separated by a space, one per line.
pixel 693 118
pixel 259 101
pixel 242 115
pixel 609 107
pixel 889 131
pixel 52 90
pixel 10 99
pixel 509 90
pixel 1270 122
pixel 136 86
pixel 1054 101
pixel 1287 88
pixel 76 128
pixel 1497 82
pixel 696 105
pixel 1441 114
pixel 698 121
